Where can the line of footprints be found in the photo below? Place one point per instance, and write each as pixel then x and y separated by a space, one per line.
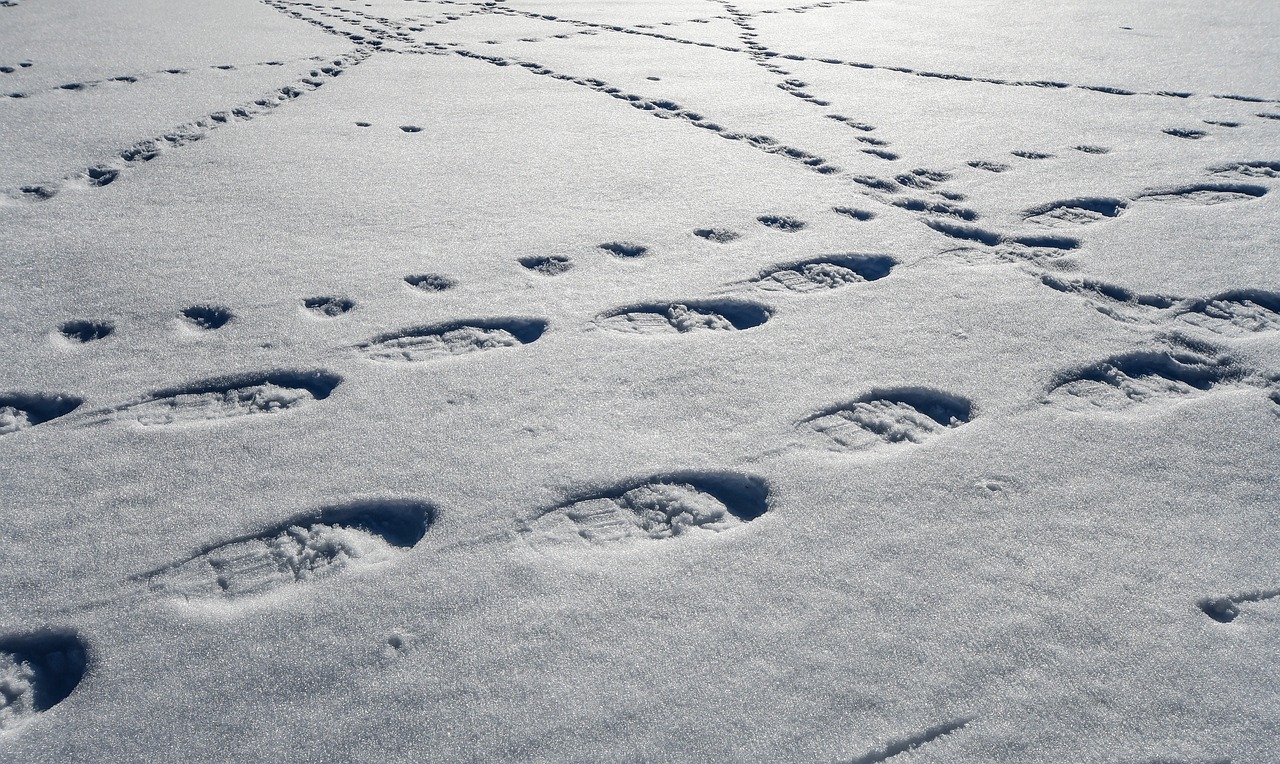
pixel 40 669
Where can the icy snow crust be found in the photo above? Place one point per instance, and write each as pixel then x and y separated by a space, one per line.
pixel 667 381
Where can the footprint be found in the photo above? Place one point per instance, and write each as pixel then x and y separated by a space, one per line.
pixel 989 166
pixel 719 235
pixel 889 416
pixel 856 214
pixel 310 546
pixel 935 208
pixel 1032 154
pixel 625 249
pixel 550 265
pixel 1237 313
pixel 328 307
pixel 824 273
pixel 1140 377
pixel 86 331
pixel 1179 132
pixel 207 317
pixel 682 318
pixel 1227 609
pixel 1093 149
pixel 37 672
pixel 411 128
pixel 1206 193
pixel 1256 169
pixel 228 398
pixel 18 411
pixel 455 338
pixel 656 508
pixel 1079 211
pixel 993 238
pixel 430 282
pixel 781 223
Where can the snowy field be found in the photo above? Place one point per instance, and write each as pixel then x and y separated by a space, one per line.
pixel 640 381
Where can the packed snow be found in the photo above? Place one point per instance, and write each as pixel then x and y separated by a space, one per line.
pixel 850 382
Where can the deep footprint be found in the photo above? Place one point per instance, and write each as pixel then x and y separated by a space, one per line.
pixel 37 672
pixel 1141 377
pixel 430 282
pixel 893 416
pixel 86 331
pixel 685 317
pixel 19 411
pixel 229 398
pixel 207 317
pixel 311 546
pixel 455 338
pixel 662 507
pixel 825 273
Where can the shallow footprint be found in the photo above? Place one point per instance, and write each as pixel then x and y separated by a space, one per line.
pixel 455 338
pixel 229 398
pixel 310 546
pixel 685 317
pixel 1239 313
pixel 657 508
pixel 37 672
pixel 825 273
pixel 206 317
pixel 329 306
pixel 1206 193
pixel 1079 211
pixel 1141 377
pixel 890 416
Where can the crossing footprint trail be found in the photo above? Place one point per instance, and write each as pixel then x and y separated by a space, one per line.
pixel 38 671
pixel 888 417
pixel 311 546
pixel 1236 313
pixel 656 508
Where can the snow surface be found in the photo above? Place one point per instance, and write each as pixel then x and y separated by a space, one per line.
pixel 653 381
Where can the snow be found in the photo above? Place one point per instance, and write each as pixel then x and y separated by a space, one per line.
pixel 676 380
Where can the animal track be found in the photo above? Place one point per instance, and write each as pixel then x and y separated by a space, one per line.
pixel 229 398
pixel 1141 377
pixel 207 317
pixel 682 318
pixel 1079 211
pixel 19 411
pixel 1227 609
pixel 86 331
pixel 1206 193
pixel 328 307
pixel 897 415
pixel 824 273
pixel 781 223
pixel 718 235
pixel 430 282
pixel 625 249
pixel 310 546
pixel 454 338
pixel 656 508
pixel 37 672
